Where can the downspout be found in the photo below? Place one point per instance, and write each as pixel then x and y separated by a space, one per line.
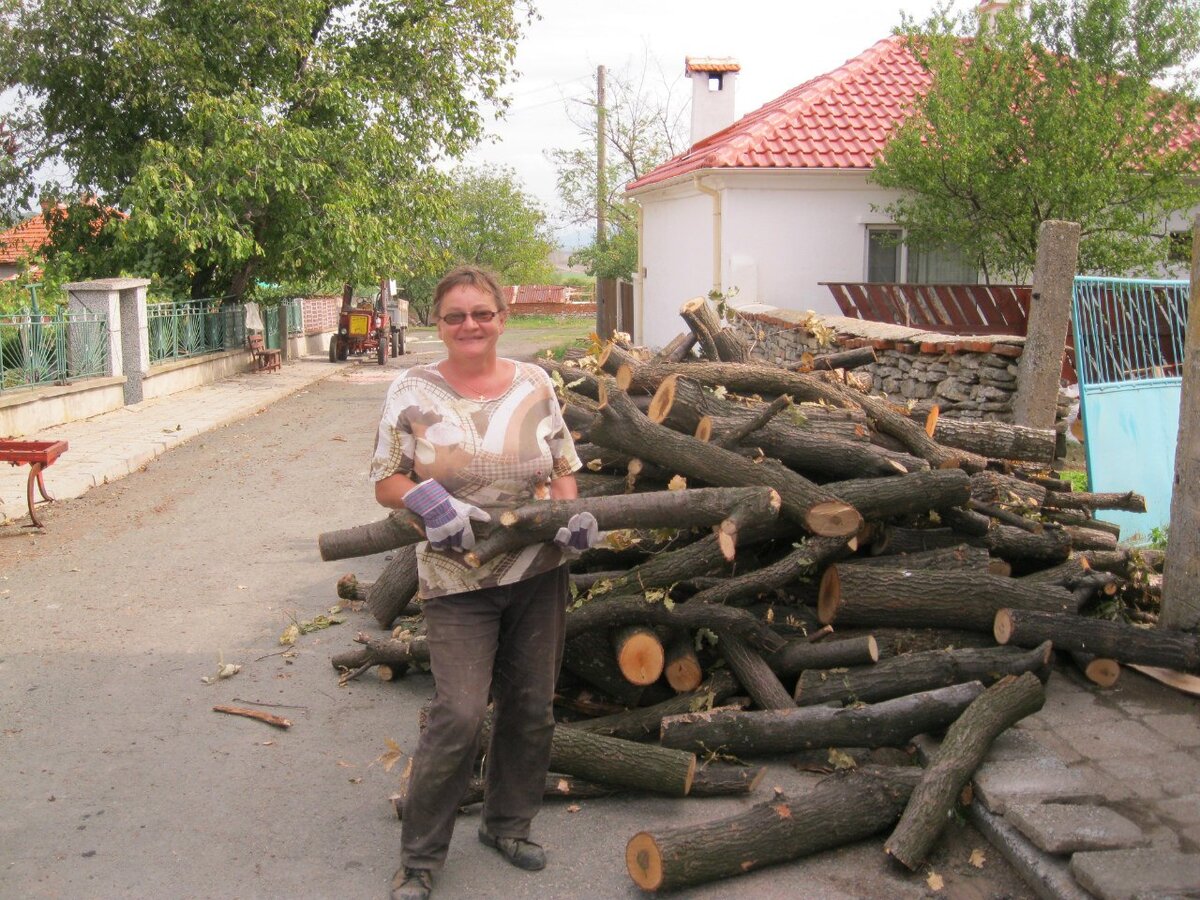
pixel 716 230
pixel 640 280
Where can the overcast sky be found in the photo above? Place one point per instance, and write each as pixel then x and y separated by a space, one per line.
pixel 779 43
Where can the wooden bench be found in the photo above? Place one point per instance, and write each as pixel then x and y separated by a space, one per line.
pixel 264 358
pixel 37 455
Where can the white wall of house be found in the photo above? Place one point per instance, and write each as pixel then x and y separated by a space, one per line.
pixel 782 233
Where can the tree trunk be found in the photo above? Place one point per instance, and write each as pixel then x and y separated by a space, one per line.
pixel 967 742
pixel 1016 545
pixel 775 731
pixel 867 596
pixel 628 764
pixel 399 529
pixel 839 810
pixel 997 440
pixel 918 672
pixel 621 426
pixel 798 655
pixel 639 654
pixel 394 593
pixel 911 494
pixel 589 656
pixel 603 613
pixel 753 673
pixel 808 557
pixel 728 345
pixel 677 349
pixel 960 556
pixel 844 359
pixel 1124 643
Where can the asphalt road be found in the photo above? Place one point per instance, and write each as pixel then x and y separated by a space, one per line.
pixel 119 780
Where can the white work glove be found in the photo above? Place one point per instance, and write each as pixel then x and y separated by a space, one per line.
pixel 581 533
pixel 447 519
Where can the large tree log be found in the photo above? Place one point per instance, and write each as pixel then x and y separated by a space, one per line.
pixel 843 359
pixel 628 764
pixel 997 440
pixel 727 507
pixel 394 593
pixel 622 426
pixel 1127 501
pixel 769 732
pixel 916 492
pixel 918 672
pixel 589 656
pixel 751 378
pixel 614 613
pixel 840 809
pixel 399 529
pixel 1125 643
pixel 853 595
pixel 639 654
pixel 960 556
pixel 893 542
pixel 967 742
pixel 681 405
pixel 997 488
pixel 753 673
pixel 728 345
pixel 799 654
pixel 1021 547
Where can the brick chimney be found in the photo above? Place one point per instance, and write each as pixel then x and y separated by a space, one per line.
pixel 713 81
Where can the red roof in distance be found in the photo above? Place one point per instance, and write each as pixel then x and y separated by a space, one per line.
pixel 20 240
pixel 840 120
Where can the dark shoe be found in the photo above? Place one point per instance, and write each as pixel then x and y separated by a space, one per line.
pixel 521 853
pixel 412 884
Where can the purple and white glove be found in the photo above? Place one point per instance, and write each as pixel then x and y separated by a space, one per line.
pixel 581 533
pixel 447 519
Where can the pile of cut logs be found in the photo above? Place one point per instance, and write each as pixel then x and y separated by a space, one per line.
pixel 793 565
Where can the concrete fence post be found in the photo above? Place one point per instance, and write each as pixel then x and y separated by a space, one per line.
pixel 1040 369
pixel 123 302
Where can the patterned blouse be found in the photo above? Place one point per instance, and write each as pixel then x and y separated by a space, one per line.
pixel 499 452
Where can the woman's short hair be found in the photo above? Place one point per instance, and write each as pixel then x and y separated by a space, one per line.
pixel 474 276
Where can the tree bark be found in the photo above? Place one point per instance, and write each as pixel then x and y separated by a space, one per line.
pixel 798 655
pixel 809 556
pixel 1124 643
pixel 646 721
pixel 918 672
pixel 603 613
pixel 911 494
pixel 844 359
pixel 1127 501
pixel 728 345
pixel 839 810
pixel 997 440
pixel 628 764
pixel 621 426
pixel 394 593
pixel 967 741
pixel 775 731
pixel 589 656
pixel 753 673
pixel 960 556
pixel 400 655
pixel 955 599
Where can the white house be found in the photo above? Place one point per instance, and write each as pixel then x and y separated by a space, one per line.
pixel 768 207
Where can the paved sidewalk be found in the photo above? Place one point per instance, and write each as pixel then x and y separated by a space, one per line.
pixel 111 446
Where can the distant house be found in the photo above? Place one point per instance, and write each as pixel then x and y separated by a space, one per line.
pixel 779 201
pixel 19 242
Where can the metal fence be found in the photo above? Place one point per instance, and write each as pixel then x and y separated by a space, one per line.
pixel 1129 329
pixel 193 328
pixel 38 350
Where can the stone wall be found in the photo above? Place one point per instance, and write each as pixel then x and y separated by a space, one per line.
pixel 970 377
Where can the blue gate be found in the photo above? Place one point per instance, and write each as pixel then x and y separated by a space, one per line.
pixel 1129 353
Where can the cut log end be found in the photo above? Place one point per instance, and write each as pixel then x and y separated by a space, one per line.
pixel 663 400
pixel 684 675
pixel 829 598
pixel 873 648
pixel 624 380
pixel 1002 627
pixel 640 655
pixel 1100 671
pixel 727 539
pixel 644 861
pixel 931 421
pixel 833 518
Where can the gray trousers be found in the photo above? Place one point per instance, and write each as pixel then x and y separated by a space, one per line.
pixel 508 640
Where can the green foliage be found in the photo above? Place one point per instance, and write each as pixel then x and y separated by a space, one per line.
pixel 644 125
pixel 1159 537
pixel 486 219
pixel 254 140
pixel 1080 110
pixel 1077 477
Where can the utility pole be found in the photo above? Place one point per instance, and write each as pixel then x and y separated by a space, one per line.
pixel 601 160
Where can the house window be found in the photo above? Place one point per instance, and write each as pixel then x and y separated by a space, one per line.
pixel 890 260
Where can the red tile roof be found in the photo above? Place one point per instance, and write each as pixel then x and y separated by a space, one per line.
pixel 22 239
pixel 839 120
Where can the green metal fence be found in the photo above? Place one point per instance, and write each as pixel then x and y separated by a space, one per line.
pixel 193 328
pixel 37 349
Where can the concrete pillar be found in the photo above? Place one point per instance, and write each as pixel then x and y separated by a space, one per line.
pixel 1040 370
pixel 123 301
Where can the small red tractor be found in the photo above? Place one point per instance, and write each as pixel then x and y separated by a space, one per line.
pixel 366 328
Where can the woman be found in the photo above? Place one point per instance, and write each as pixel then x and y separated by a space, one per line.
pixel 476 430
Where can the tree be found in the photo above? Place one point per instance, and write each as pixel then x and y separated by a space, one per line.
pixel 485 219
pixel 1081 110
pixel 256 140
pixel 644 125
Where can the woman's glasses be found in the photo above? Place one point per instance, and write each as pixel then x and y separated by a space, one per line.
pixel 482 316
